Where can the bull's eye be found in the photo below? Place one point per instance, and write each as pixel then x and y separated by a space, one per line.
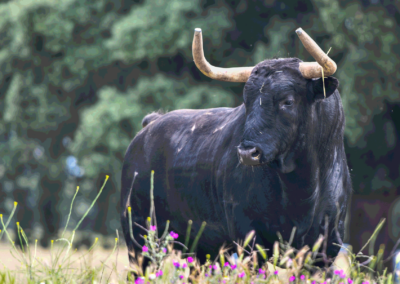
pixel 289 102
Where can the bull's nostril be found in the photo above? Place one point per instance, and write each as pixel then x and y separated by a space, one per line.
pixel 255 154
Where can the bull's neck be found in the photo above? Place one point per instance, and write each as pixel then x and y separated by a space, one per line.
pixel 300 184
pixel 321 160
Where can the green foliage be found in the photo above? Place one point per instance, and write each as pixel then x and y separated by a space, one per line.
pixel 90 70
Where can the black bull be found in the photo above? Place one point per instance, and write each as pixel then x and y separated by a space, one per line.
pixel 201 173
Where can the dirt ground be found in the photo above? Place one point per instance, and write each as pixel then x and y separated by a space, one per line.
pixel 94 259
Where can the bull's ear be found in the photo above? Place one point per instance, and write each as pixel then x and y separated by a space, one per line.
pixel 315 91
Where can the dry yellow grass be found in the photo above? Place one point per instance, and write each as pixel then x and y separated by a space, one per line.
pixel 94 259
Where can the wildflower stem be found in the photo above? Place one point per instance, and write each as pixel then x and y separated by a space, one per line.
pixel 190 222
pixel 166 230
pixel 70 211
pixel 131 229
pixel 8 221
pixel 19 237
pixel 196 240
pixel 152 208
pixel 87 211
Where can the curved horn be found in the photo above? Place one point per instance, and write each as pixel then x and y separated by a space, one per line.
pixel 311 70
pixel 239 74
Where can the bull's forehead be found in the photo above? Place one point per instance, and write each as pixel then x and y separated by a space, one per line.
pixel 275 75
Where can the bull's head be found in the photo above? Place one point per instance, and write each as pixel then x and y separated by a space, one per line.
pixel 278 95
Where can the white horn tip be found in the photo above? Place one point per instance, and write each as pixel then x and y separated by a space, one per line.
pixel 198 30
pixel 299 31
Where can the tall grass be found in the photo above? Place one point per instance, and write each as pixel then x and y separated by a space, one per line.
pixel 250 263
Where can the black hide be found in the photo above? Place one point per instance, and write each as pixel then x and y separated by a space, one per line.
pixel 301 176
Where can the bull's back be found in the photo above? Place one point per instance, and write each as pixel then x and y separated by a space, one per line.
pixel 184 148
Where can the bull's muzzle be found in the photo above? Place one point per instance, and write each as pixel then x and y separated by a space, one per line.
pixel 250 157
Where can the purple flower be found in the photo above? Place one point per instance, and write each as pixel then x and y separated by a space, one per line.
pixel 174 235
pixel 349 281
pixel 152 228
pixel 145 249
pixel 314 282
pixel 140 280
pixel 215 267
pixel 176 264
pixel 241 275
pixel 210 267
pixel 206 275
pixel 164 250
pixel 226 264
pixel 302 277
pixel 366 282
pixel 184 265
pixel 233 266
pixel 159 273
pixel 190 259
pixel 180 276
pixel 261 271
pixel 292 278
pixel 276 272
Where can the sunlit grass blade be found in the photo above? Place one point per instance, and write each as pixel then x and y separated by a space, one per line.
pixel 374 235
pixel 292 236
pixel 276 253
pixel 248 238
pixel 261 251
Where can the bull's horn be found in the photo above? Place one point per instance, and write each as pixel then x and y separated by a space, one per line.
pixel 311 70
pixel 239 74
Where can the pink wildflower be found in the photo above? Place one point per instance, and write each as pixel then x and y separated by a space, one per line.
pixel 261 271
pixel 176 264
pixel 174 235
pixel 140 280
pixel 292 278
pixel 233 266
pixel 276 272
pixel 241 275
pixel 152 228
pixel 302 277
pixel 184 265
pixel 190 259
pixel 349 281
pixel 145 249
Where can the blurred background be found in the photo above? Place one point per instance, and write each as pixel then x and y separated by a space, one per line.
pixel 78 76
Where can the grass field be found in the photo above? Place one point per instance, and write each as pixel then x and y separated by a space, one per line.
pixel 81 259
pixel 61 263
